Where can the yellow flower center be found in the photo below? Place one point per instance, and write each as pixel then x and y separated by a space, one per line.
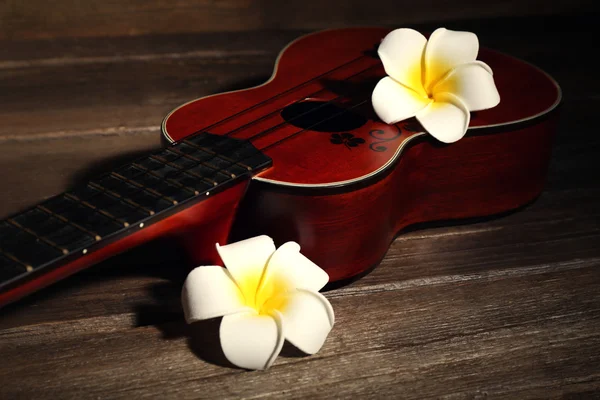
pixel 265 294
pixel 437 71
pixel 415 78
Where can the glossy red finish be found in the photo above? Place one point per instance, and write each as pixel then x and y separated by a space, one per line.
pixel 345 204
pixel 198 227
pixel 346 222
pixel 302 72
pixel 347 233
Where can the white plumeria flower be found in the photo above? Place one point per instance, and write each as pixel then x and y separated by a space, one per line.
pixel 437 81
pixel 265 296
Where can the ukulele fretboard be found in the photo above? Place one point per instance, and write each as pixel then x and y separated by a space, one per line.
pixel 137 193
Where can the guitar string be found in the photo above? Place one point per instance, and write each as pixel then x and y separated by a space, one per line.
pixel 313 125
pixel 313 110
pixel 290 90
pixel 287 122
pixel 286 92
pixel 296 102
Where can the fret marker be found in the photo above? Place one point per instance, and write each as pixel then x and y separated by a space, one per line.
pixel 207 193
pixel 84 251
pixel 142 225
pixel 29 268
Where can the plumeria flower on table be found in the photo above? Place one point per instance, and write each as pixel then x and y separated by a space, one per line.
pixel 265 296
pixel 438 81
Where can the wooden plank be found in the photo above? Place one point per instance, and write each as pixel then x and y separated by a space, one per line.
pixel 39 19
pixel 457 338
pixel 23 53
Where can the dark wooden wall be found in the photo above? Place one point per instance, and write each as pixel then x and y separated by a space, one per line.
pixel 67 18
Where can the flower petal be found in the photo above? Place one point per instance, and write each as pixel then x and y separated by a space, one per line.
pixel 401 53
pixel 250 340
pixel 308 318
pixel 394 102
pixel 210 292
pixel 246 260
pixel 447 118
pixel 445 50
pixel 289 265
pixel 473 83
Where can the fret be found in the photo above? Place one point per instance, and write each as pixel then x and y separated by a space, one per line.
pixel 71 223
pixel 221 158
pixel 38 237
pixel 244 154
pixel 236 150
pixel 185 149
pixel 151 164
pixel 145 188
pixel 135 193
pixel 10 268
pixel 214 142
pixel 125 200
pixel 71 238
pixel 81 216
pixel 23 247
pixel 202 169
pixel 64 235
pixel 167 154
pixel 129 171
pixel 168 172
pixel 206 172
pixel 126 213
pixel 200 184
pixel 193 180
pixel 183 161
pixel 94 208
pixel 168 186
pixel 214 161
pixel 182 171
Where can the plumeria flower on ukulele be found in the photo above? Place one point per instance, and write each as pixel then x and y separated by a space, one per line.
pixel 265 296
pixel 437 81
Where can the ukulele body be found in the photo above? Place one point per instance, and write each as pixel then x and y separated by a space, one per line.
pixel 345 187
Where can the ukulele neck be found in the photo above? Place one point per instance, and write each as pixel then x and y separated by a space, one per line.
pixel 103 213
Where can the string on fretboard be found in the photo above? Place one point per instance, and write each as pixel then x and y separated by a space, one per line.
pixel 137 193
pixel 134 194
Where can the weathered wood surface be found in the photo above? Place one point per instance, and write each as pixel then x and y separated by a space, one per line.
pixel 503 308
pixel 73 18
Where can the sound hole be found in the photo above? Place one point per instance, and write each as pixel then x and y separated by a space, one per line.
pixel 321 116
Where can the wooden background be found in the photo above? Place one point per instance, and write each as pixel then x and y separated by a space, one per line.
pixel 37 19
pixel 502 308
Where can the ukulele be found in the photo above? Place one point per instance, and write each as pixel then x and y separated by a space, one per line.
pixel 302 157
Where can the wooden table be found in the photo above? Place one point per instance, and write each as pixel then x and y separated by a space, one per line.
pixel 507 307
